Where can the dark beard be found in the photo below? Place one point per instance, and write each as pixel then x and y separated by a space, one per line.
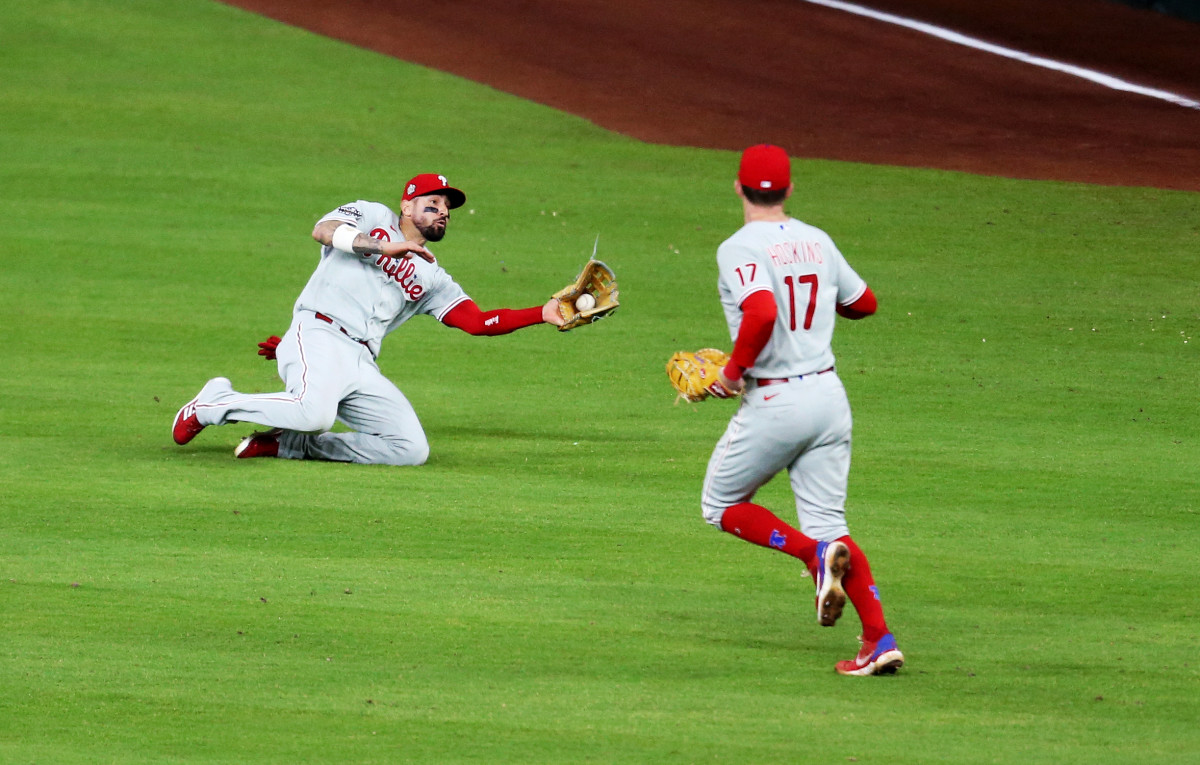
pixel 432 233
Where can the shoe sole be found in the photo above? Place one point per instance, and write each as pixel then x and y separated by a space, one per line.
pixel 243 446
pixel 245 443
pixel 887 664
pixel 831 599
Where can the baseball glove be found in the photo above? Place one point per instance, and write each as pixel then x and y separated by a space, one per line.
pixel 597 280
pixel 695 374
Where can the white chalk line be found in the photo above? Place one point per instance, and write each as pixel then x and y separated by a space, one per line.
pixel 1100 78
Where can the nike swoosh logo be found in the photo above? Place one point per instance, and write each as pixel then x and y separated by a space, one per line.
pixel 768 398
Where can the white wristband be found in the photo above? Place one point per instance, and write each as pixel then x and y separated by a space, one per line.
pixel 344 236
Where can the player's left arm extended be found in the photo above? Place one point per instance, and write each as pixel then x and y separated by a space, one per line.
pixel 500 321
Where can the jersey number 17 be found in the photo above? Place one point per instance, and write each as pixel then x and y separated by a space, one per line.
pixel 811 281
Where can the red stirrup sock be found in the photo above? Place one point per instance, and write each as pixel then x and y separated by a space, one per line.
pixel 860 588
pixel 755 523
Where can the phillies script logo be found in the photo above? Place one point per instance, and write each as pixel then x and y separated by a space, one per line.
pixel 401 270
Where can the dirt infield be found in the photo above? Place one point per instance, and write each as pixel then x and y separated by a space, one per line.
pixel 821 82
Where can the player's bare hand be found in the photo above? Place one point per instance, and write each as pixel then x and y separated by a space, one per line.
pixel 267 347
pixel 406 250
pixel 551 314
pixel 724 387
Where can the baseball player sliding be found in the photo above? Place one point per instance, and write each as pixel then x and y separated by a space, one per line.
pixel 367 284
pixel 782 282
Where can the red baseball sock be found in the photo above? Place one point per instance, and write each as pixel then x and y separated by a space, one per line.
pixel 755 523
pixel 860 588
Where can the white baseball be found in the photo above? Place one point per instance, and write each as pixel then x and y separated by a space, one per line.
pixel 585 302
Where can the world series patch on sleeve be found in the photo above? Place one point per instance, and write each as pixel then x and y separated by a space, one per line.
pixel 693 373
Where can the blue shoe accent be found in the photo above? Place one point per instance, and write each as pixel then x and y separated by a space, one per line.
pixel 884 659
pixel 885 644
pixel 821 547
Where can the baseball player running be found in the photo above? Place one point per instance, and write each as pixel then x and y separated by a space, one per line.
pixel 366 285
pixel 781 283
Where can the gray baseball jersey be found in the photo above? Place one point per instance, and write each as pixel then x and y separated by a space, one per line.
pixel 801 420
pixel 371 295
pixel 806 272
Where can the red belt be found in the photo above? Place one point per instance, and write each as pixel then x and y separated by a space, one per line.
pixel 777 380
pixel 328 320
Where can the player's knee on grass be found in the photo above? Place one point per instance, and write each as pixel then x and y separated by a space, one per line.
pixel 407 451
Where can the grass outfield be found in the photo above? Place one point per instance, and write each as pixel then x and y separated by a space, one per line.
pixel 544 590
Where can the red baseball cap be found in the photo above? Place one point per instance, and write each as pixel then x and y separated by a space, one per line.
pixel 765 168
pixel 432 183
